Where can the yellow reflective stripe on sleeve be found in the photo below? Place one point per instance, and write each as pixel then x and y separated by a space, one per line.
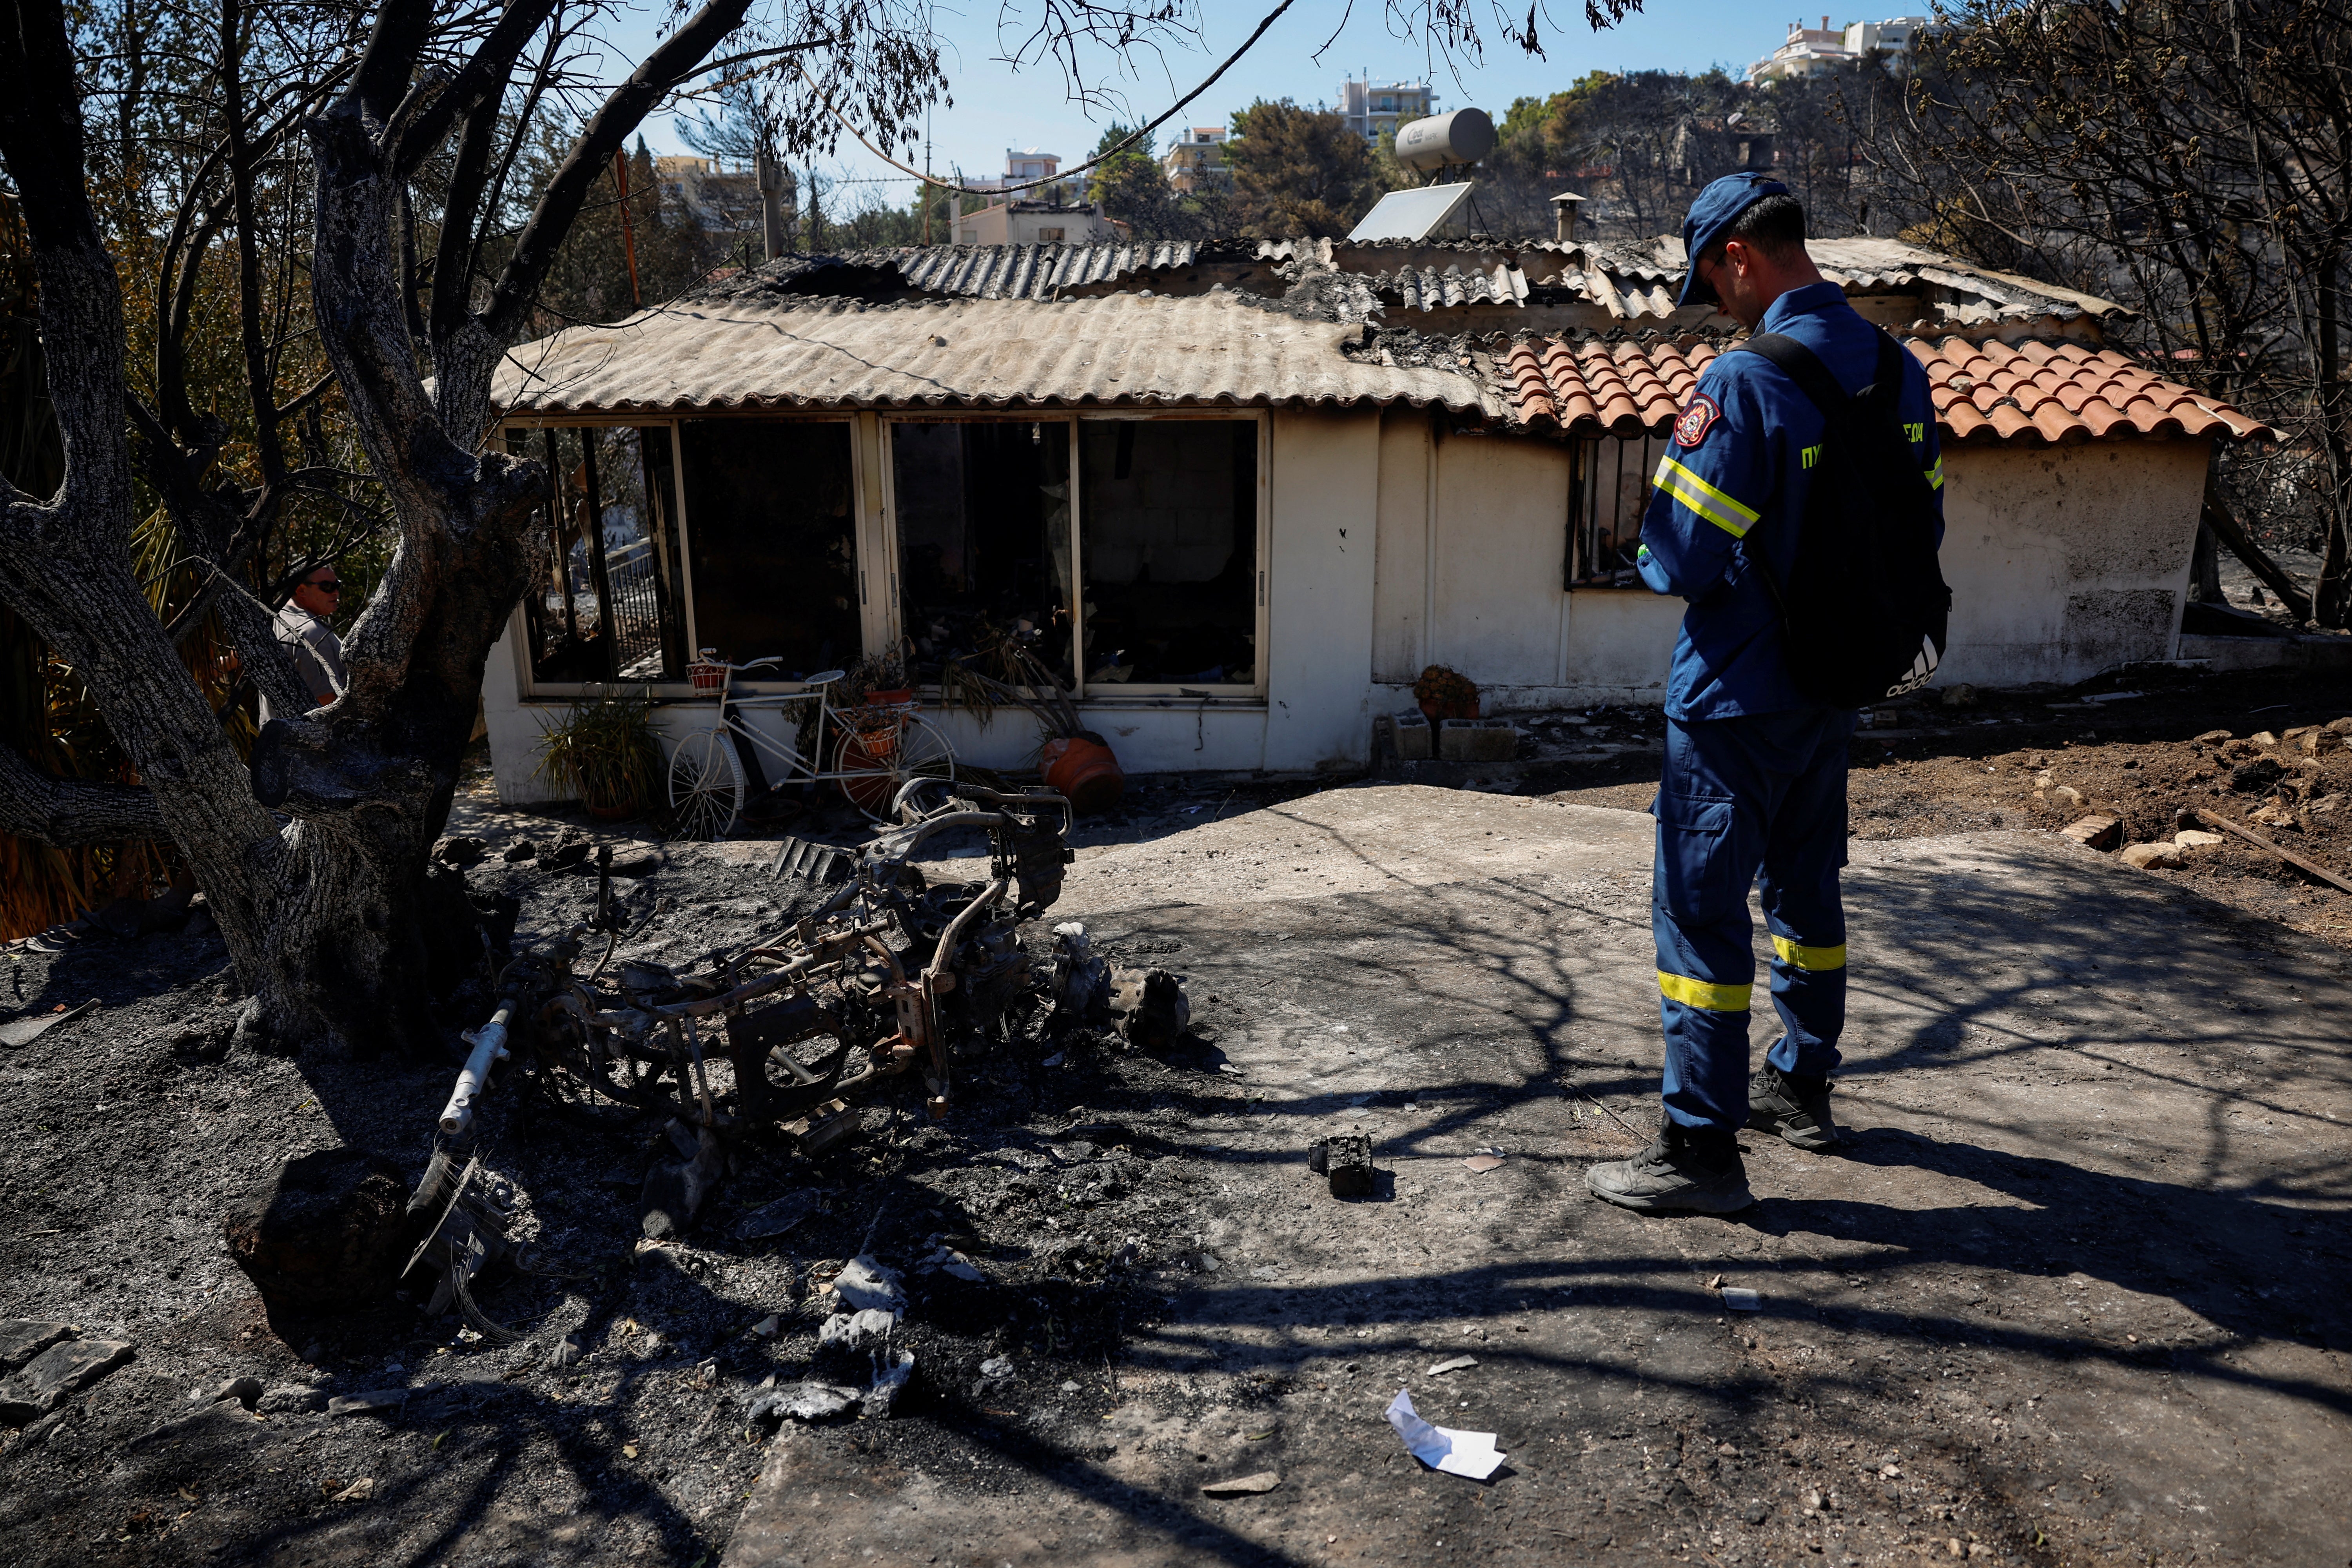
pixel 1700 993
pixel 1703 498
pixel 1808 957
pixel 1934 475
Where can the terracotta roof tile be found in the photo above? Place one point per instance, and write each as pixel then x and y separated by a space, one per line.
pixel 2034 392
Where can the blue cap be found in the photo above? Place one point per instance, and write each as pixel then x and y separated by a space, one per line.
pixel 1717 205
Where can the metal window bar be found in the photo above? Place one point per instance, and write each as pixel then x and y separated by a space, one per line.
pixel 1609 488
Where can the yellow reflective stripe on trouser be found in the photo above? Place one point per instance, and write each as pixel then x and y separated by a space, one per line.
pixel 1701 994
pixel 1801 957
pixel 1935 475
pixel 1703 498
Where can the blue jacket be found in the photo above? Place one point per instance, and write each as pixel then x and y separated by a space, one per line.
pixel 1738 465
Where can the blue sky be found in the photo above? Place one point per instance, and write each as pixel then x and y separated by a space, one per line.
pixel 997 108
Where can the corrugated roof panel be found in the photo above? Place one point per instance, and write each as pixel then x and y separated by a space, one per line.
pixel 1117 349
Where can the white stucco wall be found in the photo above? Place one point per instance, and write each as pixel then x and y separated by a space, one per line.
pixel 2066 560
pixel 1393 546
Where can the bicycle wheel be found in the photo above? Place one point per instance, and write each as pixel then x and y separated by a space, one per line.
pixel 706 785
pixel 874 762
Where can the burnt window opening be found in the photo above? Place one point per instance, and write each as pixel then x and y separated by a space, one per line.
pixel 983 522
pixel 1609 488
pixel 1168 552
pixel 774 557
pixel 609 607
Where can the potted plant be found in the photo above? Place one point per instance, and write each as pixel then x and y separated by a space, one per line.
pixel 1071 758
pixel 1445 694
pixel 879 680
pixel 603 749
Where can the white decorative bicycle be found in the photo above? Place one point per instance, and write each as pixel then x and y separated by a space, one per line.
pixel 871 751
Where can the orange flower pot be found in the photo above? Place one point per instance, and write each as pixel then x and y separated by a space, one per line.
pixel 1085 772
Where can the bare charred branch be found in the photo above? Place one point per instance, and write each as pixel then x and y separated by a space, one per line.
pixel 71 813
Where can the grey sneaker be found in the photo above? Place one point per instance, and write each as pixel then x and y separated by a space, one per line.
pixel 1679 1173
pixel 1798 1112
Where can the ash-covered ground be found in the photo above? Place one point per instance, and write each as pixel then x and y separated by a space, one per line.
pixel 2065 1297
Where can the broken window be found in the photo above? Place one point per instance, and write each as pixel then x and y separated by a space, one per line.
pixel 770 520
pixel 609 607
pixel 984 520
pixel 1169 525
pixel 1609 488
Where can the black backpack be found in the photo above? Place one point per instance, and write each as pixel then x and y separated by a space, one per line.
pixel 1865 612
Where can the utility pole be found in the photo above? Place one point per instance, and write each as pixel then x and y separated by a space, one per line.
pixel 927 177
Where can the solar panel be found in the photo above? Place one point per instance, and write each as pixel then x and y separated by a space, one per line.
pixel 1413 214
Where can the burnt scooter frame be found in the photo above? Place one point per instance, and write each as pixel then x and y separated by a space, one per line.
pixel 584 1041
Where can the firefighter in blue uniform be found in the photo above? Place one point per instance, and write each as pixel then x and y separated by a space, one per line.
pixel 1754 779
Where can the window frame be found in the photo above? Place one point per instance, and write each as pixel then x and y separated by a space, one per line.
pixel 534 691
pixel 1584 496
pixel 1107 692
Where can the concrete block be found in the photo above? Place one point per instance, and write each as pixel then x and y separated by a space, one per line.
pixel 1476 740
pixel 1409 732
pixel 2096 831
pixel 1348 1160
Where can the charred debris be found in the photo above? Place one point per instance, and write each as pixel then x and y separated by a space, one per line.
pixel 761 1062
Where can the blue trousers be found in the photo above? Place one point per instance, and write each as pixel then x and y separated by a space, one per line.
pixel 1762 795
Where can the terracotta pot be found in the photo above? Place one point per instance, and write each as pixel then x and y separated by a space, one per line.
pixel 620 813
pixel 1438 712
pixel 871 757
pixel 1084 771
pixel 896 697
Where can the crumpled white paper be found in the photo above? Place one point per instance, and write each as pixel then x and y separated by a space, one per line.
pixel 1471 1454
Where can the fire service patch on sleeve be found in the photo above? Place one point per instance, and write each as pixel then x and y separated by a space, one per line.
pixel 1697 417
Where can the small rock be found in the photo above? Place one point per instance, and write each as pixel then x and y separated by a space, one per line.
pixel 769 1327
pixel 1952 1547
pixel 375 1403
pixel 997 1366
pixel 2340 726
pixel 2152 857
pixel 864 1283
pixel 564 1352
pixel 2068 795
pixel 63 1368
pixel 2263 739
pixel 644 863
pixel 22 1339
pixel 2251 778
pixel 563 855
pixel 358 1491
pixel 1960 696
pixel 245 1391
pixel 1244 1486
pixel 2212 738
pixel 1757 1513
pixel 459 850
pixel 2197 839
pixel 521 850
pixel 1457 1364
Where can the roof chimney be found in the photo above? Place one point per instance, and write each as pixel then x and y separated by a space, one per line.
pixel 1563 208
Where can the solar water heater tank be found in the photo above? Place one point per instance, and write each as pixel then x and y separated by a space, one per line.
pixel 1465 136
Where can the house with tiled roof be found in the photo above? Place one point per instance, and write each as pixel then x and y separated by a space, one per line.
pixel 1237 495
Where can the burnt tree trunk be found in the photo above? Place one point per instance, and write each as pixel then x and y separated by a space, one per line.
pixel 326 914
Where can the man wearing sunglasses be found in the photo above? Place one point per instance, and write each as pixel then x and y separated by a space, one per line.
pixel 307 628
